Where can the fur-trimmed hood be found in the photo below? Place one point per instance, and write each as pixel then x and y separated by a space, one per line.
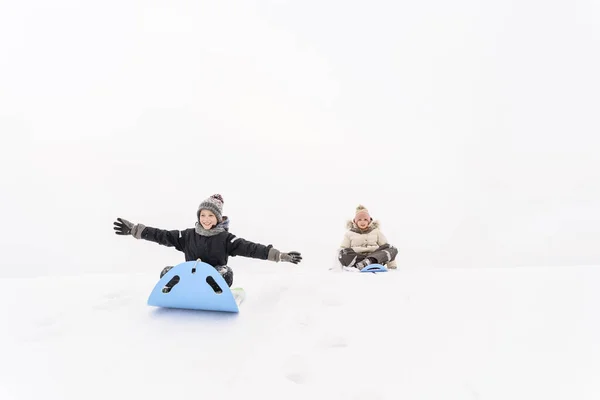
pixel 351 225
pixel 363 241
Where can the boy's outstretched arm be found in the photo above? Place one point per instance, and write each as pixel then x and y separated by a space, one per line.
pixel 245 248
pixel 140 231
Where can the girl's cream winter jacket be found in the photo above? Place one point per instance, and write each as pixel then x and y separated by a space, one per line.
pixel 365 241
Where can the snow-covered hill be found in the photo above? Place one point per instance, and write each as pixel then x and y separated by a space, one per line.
pixel 486 334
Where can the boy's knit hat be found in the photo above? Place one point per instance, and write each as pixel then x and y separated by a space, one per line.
pixel 213 204
pixel 361 211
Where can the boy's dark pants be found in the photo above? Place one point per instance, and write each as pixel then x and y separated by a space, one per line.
pixel 381 255
pixel 225 271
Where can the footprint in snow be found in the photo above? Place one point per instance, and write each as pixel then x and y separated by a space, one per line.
pixel 296 370
pixel 368 395
pixel 334 342
pixel 43 328
pixel 331 302
pixel 113 301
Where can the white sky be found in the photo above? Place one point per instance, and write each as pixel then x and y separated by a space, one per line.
pixel 469 129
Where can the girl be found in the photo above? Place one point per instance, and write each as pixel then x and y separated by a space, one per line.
pixel 365 244
pixel 210 241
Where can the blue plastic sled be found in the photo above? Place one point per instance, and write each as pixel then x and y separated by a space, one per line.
pixel 193 291
pixel 374 268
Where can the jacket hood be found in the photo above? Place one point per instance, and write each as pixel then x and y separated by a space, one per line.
pixel 352 226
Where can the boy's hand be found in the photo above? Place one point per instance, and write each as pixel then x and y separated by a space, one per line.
pixel 293 256
pixel 123 227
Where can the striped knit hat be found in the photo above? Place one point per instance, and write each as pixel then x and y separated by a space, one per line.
pixel 213 204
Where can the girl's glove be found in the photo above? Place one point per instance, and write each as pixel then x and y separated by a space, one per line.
pixel 367 261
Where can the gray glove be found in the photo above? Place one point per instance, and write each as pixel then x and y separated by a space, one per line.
pixel 124 227
pixel 293 256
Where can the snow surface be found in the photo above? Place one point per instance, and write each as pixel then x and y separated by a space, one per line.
pixel 484 334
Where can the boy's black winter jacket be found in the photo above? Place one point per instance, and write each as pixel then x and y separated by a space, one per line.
pixel 214 250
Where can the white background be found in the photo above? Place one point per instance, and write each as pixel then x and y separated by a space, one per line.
pixel 469 129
